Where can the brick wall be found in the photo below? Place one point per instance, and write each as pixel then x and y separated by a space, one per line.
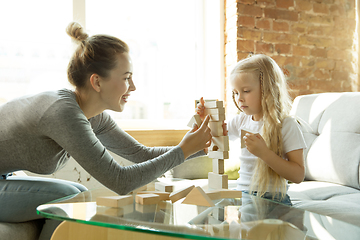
pixel 314 40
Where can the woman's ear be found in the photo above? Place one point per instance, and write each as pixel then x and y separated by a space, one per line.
pixel 95 82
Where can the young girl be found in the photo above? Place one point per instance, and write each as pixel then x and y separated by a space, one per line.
pixel 273 153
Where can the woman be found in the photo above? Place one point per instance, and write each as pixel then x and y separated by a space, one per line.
pixel 39 133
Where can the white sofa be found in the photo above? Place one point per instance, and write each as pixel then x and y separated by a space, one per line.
pixel 332 157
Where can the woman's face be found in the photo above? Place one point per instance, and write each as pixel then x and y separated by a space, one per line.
pixel 116 88
pixel 246 87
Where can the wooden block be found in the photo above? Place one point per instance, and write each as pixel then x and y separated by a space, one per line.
pixel 217 117
pixel 117 212
pixel 213 104
pixel 230 193
pixel 224 193
pixel 163 195
pixel 195 119
pixel 214 195
pixel 222 143
pixel 216 128
pixel 197 196
pixel 243 132
pixel 217 181
pixel 147 199
pixel 218 166
pixel 177 195
pixel 164 187
pixel 115 201
pixel 151 208
pixel 218 154
pixel 214 111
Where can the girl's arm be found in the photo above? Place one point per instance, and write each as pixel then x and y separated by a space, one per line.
pixel 292 170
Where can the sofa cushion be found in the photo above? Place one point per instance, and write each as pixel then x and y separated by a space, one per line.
pixel 331 129
pixel 329 199
pixel 25 230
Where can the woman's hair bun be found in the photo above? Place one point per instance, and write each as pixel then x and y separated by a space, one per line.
pixel 76 32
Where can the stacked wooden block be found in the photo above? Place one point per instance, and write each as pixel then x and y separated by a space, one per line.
pixel 219 149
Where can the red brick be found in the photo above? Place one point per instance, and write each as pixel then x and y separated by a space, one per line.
pixel 267 3
pixel 344 43
pixel 338 54
pixel 286 61
pixel 343 33
pixel 325 63
pixel 264 47
pixel 301 51
pixel 307 62
pixel 285 3
pixel 246 21
pixel 325 85
pixel 249 34
pixel 314 18
pixel 322 74
pixel 344 23
pixel 320 30
pixel 303 5
pixel 246 1
pixel 242 55
pixel 300 84
pixel 345 66
pixel 280 38
pixel 305 73
pixel 340 75
pixel 245 45
pixel 254 11
pixel 263 24
pixel 316 41
pixel 280 26
pixel 299 27
pixel 337 10
pixel 319 52
pixel 320 8
pixel 281 14
pixel 283 48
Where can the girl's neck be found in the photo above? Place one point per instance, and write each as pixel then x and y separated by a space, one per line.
pixel 257 117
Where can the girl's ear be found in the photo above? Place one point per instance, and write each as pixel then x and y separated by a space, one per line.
pixel 95 82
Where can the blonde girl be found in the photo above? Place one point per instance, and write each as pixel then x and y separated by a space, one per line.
pixel 273 152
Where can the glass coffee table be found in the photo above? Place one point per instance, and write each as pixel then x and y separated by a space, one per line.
pixel 248 217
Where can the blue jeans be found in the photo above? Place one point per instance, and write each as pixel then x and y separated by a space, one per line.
pixel 277 198
pixel 20 196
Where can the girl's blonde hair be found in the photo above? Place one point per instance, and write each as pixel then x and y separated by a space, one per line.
pixel 96 54
pixel 276 105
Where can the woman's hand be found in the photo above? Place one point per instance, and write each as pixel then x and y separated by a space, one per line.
pixel 196 139
pixel 255 144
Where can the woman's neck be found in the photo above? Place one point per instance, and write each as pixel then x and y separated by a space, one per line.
pixel 88 103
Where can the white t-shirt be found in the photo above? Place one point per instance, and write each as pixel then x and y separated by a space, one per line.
pixel 293 139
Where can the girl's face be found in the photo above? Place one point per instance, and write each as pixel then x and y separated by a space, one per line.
pixel 246 87
pixel 116 88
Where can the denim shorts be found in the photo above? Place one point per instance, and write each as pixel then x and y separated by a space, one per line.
pixel 277 198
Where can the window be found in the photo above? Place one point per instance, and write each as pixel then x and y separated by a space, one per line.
pixel 34 48
pixel 176 48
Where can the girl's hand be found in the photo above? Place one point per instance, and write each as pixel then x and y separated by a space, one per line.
pixel 196 139
pixel 256 144
pixel 200 109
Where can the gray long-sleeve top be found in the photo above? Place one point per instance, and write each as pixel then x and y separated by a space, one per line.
pixel 39 133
